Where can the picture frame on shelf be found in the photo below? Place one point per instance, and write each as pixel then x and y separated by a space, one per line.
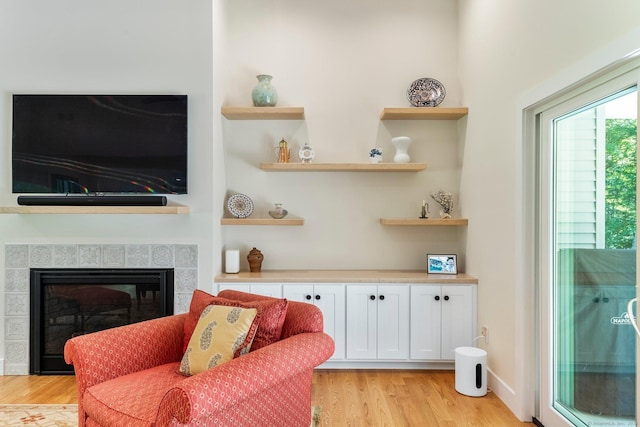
pixel 442 264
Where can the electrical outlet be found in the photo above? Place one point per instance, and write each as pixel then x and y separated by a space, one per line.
pixel 485 333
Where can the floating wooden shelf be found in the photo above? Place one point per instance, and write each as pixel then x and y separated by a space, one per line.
pixel 424 113
pixel 424 222
pixel 348 167
pixel 169 209
pixel 263 113
pixel 262 221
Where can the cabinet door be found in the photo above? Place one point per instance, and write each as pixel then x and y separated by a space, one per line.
pixel 331 301
pixel 393 322
pixel 426 308
pixel 269 290
pixel 457 319
pixel 298 292
pixel 362 304
pixel 244 287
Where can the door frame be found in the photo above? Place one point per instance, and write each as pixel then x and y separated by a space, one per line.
pixel 536 228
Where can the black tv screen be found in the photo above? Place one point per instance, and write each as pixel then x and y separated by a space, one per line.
pixel 93 144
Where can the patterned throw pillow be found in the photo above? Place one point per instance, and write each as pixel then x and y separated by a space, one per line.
pixel 272 313
pixel 222 333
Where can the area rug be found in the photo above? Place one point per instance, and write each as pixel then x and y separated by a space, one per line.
pixel 39 415
pixel 316 411
pixel 67 415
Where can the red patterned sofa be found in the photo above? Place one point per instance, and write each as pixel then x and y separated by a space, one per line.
pixel 128 376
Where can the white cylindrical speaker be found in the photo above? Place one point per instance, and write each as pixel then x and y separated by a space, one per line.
pixel 471 371
pixel 232 261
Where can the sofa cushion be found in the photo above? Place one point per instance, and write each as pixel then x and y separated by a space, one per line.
pixel 222 333
pixel 301 317
pixel 272 312
pixel 131 399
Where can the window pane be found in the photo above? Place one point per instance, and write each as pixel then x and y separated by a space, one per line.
pixel 594 239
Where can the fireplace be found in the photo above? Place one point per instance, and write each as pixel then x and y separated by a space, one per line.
pixel 70 302
pixel 21 258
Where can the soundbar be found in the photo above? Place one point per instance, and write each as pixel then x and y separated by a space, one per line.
pixel 92 200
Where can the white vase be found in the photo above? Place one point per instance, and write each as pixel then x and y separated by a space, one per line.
pixel 401 143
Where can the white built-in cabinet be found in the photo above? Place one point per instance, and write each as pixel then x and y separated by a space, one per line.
pixel 377 321
pixel 330 299
pixel 383 324
pixel 443 317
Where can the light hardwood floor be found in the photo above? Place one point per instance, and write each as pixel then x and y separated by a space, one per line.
pixel 392 398
pixel 398 398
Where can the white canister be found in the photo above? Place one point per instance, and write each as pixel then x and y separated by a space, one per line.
pixel 471 371
pixel 232 261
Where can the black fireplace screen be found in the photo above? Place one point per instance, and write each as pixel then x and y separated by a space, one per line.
pixel 69 302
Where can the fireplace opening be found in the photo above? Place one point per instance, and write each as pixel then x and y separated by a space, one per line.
pixel 69 302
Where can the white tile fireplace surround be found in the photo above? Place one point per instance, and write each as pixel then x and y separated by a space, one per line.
pixel 19 258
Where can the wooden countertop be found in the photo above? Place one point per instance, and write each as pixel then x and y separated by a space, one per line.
pixel 343 276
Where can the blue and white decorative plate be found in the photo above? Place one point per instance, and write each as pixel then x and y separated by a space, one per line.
pixel 240 205
pixel 426 92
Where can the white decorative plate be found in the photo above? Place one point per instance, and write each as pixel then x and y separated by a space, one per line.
pixel 425 92
pixel 240 205
pixel 306 153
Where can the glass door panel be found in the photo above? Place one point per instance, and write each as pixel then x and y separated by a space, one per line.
pixel 594 261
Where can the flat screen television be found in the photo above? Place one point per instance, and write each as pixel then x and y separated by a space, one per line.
pixel 99 144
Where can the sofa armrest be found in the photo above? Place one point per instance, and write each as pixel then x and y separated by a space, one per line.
pixel 108 354
pixel 222 387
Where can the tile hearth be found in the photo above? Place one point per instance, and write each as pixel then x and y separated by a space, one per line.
pixel 19 258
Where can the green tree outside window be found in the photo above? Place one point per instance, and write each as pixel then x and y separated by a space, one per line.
pixel 620 176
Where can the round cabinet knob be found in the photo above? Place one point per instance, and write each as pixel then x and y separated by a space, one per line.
pixel 446 297
pixel 308 297
pixel 596 299
pixel 605 299
pixel 437 298
pixel 372 297
pixel 381 297
pixel 317 297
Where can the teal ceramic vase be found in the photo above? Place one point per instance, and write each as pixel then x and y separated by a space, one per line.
pixel 264 94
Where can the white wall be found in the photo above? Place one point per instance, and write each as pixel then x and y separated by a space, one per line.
pixel 117 46
pixel 343 62
pixel 512 51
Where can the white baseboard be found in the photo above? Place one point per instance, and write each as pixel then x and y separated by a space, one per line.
pixel 507 395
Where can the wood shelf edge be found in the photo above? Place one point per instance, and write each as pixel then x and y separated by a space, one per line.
pixel 345 276
pixel 423 113
pixel 262 221
pixel 424 222
pixel 345 167
pixel 263 113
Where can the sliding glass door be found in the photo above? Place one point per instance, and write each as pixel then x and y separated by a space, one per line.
pixel 587 241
